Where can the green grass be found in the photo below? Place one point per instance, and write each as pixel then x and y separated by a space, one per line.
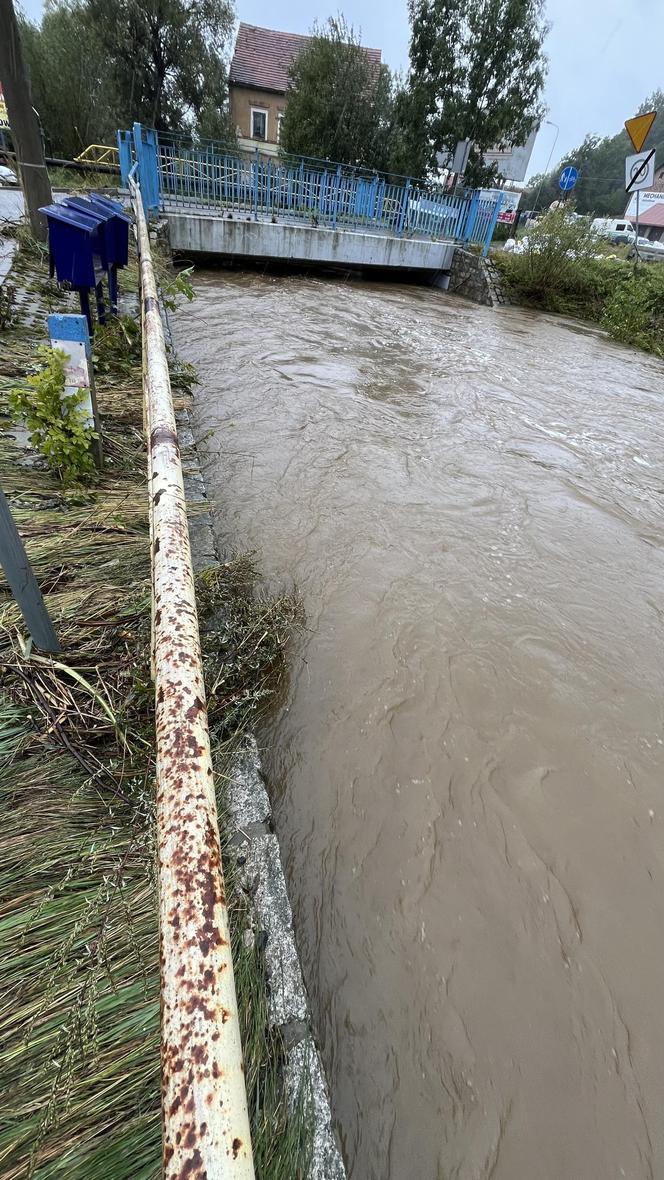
pixel 79 975
pixel 76 181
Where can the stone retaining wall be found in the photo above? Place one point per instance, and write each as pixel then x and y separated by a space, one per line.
pixel 475 278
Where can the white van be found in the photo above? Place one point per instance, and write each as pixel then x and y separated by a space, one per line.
pixel 616 229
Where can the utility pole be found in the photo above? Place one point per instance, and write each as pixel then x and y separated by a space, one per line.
pixel 546 170
pixel 23 121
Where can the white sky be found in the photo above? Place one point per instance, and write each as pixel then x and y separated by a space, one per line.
pixel 605 55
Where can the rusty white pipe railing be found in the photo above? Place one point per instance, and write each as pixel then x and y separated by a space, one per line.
pixel 204 1102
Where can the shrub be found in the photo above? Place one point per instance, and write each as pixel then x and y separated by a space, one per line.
pixel 556 248
pixel 566 268
pixel 634 313
pixel 56 423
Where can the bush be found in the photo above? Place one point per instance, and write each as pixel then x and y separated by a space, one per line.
pixel 56 423
pixel 549 265
pixel 634 313
pixel 565 268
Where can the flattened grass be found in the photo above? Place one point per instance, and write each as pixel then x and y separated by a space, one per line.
pixel 79 980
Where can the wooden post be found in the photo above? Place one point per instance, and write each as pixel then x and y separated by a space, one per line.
pixel 23 121
pixel 22 581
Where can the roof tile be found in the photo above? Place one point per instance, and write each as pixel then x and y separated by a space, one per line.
pixel 654 215
pixel 263 57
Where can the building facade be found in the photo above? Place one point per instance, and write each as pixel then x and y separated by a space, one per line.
pixel 258 83
pixel 651 209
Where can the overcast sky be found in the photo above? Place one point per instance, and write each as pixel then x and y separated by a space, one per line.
pixel 605 56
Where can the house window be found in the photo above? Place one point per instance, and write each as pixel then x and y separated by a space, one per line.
pixel 280 125
pixel 258 123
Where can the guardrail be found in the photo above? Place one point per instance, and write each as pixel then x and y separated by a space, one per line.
pixel 204 1104
pixel 181 173
pixel 99 153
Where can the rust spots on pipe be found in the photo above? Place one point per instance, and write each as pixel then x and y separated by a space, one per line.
pixel 205 1121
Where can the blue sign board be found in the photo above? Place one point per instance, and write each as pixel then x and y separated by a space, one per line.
pixel 568 178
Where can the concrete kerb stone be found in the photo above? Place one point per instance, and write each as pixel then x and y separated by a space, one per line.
pixel 261 873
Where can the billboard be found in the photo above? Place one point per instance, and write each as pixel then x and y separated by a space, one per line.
pixel 646 201
pixel 509 207
pixel 512 161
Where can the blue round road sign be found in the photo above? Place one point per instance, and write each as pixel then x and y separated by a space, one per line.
pixel 568 178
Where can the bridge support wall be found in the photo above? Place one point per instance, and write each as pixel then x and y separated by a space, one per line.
pixel 193 233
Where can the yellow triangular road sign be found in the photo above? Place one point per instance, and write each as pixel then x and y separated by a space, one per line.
pixel 638 127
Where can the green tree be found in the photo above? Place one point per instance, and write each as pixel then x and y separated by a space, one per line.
pixel 72 88
pixel 601 163
pixel 165 56
pixel 476 70
pixel 96 65
pixel 339 102
pixel 214 120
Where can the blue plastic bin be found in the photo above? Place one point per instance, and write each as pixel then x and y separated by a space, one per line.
pixel 77 253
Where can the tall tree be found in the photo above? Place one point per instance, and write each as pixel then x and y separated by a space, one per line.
pixel 339 102
pixel 476 70
pixel 72 87
pixel 23 121
pixel 165 56
pixel 601 164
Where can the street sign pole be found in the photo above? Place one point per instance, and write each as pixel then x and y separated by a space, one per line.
pixel 568 179
pixel 22 582
pixel 639 169
pixel 639 174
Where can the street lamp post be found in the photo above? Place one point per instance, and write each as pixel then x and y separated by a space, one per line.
pixel 546 170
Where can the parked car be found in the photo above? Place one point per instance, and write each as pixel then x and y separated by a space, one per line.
pixel 618 230
pixel 7 175
pixel 528 217
pixel 649 251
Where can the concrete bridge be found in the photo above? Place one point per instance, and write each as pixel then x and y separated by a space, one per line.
pixel 238 206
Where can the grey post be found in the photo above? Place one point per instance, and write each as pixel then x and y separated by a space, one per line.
pixel 23 583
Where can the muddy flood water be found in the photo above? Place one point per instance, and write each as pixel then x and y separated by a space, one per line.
pixel 468 772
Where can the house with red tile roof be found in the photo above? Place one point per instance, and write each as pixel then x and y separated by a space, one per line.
pixel 258 82
pixel 651 209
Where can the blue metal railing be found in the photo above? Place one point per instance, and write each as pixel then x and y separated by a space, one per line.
pixel 177 172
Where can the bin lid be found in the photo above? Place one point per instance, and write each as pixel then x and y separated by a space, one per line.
pixel 70 216
pixel 82 205
pixel 113 207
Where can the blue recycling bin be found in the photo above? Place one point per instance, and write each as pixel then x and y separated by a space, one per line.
pixel 120 224
pixel 114 236
pixel 77 253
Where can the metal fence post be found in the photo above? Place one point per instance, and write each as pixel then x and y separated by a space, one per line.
pixel 255 166
pixel 145 146
pixel 404 207
pixel 22 582
pixel 471 217
pixel 491 229
pixel 125 155
pixel 335 203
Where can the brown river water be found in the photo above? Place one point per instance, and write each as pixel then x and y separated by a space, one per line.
pixel 468 770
